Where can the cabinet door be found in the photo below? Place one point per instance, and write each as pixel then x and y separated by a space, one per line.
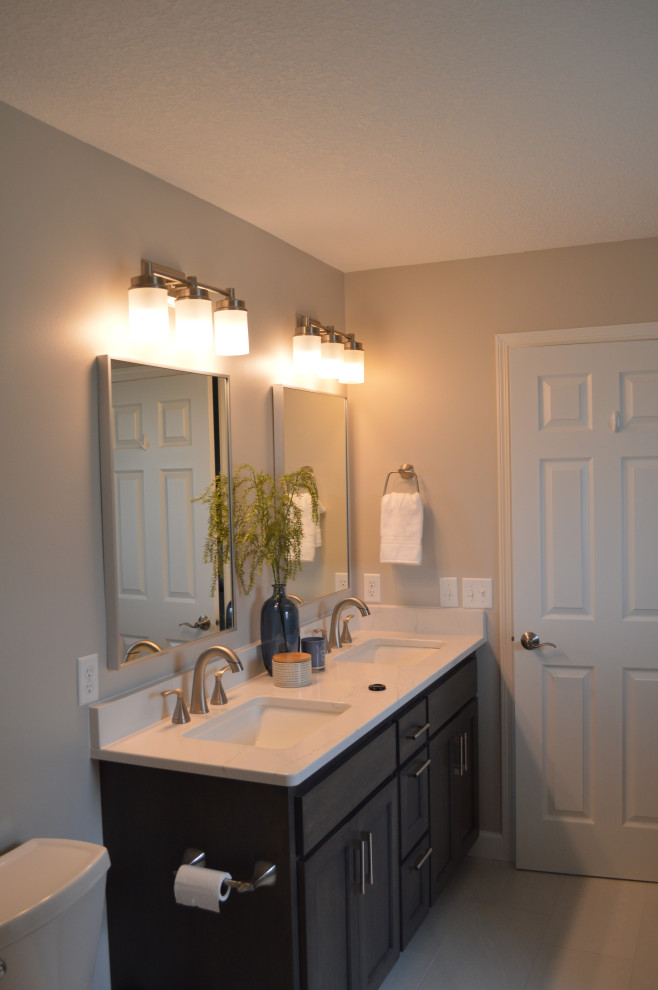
pixel 351 903
pixel 465 817
pixel 329 903
pixel 454 817
pixel 379 908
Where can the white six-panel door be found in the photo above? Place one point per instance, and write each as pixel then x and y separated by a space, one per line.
pixel 584 456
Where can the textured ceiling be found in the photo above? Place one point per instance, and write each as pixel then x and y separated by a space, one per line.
pixel 368 133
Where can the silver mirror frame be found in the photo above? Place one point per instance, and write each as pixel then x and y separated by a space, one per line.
pixel 115 659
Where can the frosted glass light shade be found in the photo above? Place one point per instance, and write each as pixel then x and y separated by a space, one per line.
pixel 231 331
pixel 148 314
pixel 353 372
pixel 306 354
pixel 331 364
pixel 194 327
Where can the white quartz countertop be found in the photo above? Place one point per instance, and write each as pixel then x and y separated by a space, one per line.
pixel 156 742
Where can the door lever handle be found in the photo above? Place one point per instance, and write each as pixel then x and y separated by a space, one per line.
pixel 530 641
pixel 203 622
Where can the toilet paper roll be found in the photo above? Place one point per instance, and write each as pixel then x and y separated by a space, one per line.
pixel 195 886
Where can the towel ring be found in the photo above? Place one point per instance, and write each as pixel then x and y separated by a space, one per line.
pixel 407 472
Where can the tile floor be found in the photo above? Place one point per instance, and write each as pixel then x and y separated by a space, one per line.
pixel 497 928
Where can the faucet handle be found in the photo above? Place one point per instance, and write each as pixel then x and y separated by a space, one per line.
pixel 219 694
pixel 346 636
pixel 181 714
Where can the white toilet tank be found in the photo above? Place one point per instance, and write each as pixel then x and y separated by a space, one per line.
pixel 51 907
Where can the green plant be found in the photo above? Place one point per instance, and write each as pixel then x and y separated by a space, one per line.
pixel 217 547
pixel 267 523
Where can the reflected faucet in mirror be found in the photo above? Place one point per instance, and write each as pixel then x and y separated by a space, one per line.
pixel 334 639
pixel 141 646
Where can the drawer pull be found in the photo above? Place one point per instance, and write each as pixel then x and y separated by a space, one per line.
pixel 419 731
pixel 420 863
pixel 421 769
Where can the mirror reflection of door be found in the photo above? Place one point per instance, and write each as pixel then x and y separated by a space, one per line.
pixel 164 455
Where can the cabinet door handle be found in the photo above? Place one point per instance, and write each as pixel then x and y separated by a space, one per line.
pixel 421 769
pixel 465 734
pixel 420 863
pixel 419 731
pixel 366 843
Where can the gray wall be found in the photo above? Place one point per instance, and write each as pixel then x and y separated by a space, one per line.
pixel 75 223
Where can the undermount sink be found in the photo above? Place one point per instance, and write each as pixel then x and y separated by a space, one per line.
pixel 394 652
pixel 269 723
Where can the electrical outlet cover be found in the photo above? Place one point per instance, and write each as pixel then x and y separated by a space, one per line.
pixel 340 581
pixel 88 679
pixel 371 588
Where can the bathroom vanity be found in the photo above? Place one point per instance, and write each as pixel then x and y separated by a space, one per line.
pixel 363 835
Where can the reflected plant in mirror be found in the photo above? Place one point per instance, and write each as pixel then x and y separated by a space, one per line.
pixel 272 518
pixel 164 435
pixel 310 428
pixel 217 547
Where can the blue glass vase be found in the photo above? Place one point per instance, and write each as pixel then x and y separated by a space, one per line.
pixel 279 625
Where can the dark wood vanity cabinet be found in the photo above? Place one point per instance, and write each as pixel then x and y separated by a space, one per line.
pixel 362 848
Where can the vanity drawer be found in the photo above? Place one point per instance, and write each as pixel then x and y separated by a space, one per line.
pixel 452 694
pixel 335 797
pixel 415 875
pixel 414 780
pixel 413 729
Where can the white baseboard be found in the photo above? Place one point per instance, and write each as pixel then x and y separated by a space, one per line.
pixel 489 845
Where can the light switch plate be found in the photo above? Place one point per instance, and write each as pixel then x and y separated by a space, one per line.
pixel 448 592
pixel 477 593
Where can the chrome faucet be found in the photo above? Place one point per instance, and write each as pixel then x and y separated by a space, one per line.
pixel 199 701
pixel 335 617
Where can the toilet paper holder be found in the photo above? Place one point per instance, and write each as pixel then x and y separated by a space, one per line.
pixel 264 874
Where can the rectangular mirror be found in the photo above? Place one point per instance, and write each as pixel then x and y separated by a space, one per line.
pixel 310 429
pixel 164 435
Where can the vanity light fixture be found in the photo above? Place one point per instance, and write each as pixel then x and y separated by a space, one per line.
pixel 327 353
pixel 201 311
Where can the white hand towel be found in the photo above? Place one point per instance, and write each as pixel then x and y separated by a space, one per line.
pixel 312 535
pixel 401 528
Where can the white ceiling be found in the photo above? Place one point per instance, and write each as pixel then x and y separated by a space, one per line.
pixel 369 133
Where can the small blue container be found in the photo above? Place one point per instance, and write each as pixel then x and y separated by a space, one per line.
pixel 317 647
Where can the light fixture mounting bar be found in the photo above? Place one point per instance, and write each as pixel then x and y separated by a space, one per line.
pixel 177 278
pixel 306 322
